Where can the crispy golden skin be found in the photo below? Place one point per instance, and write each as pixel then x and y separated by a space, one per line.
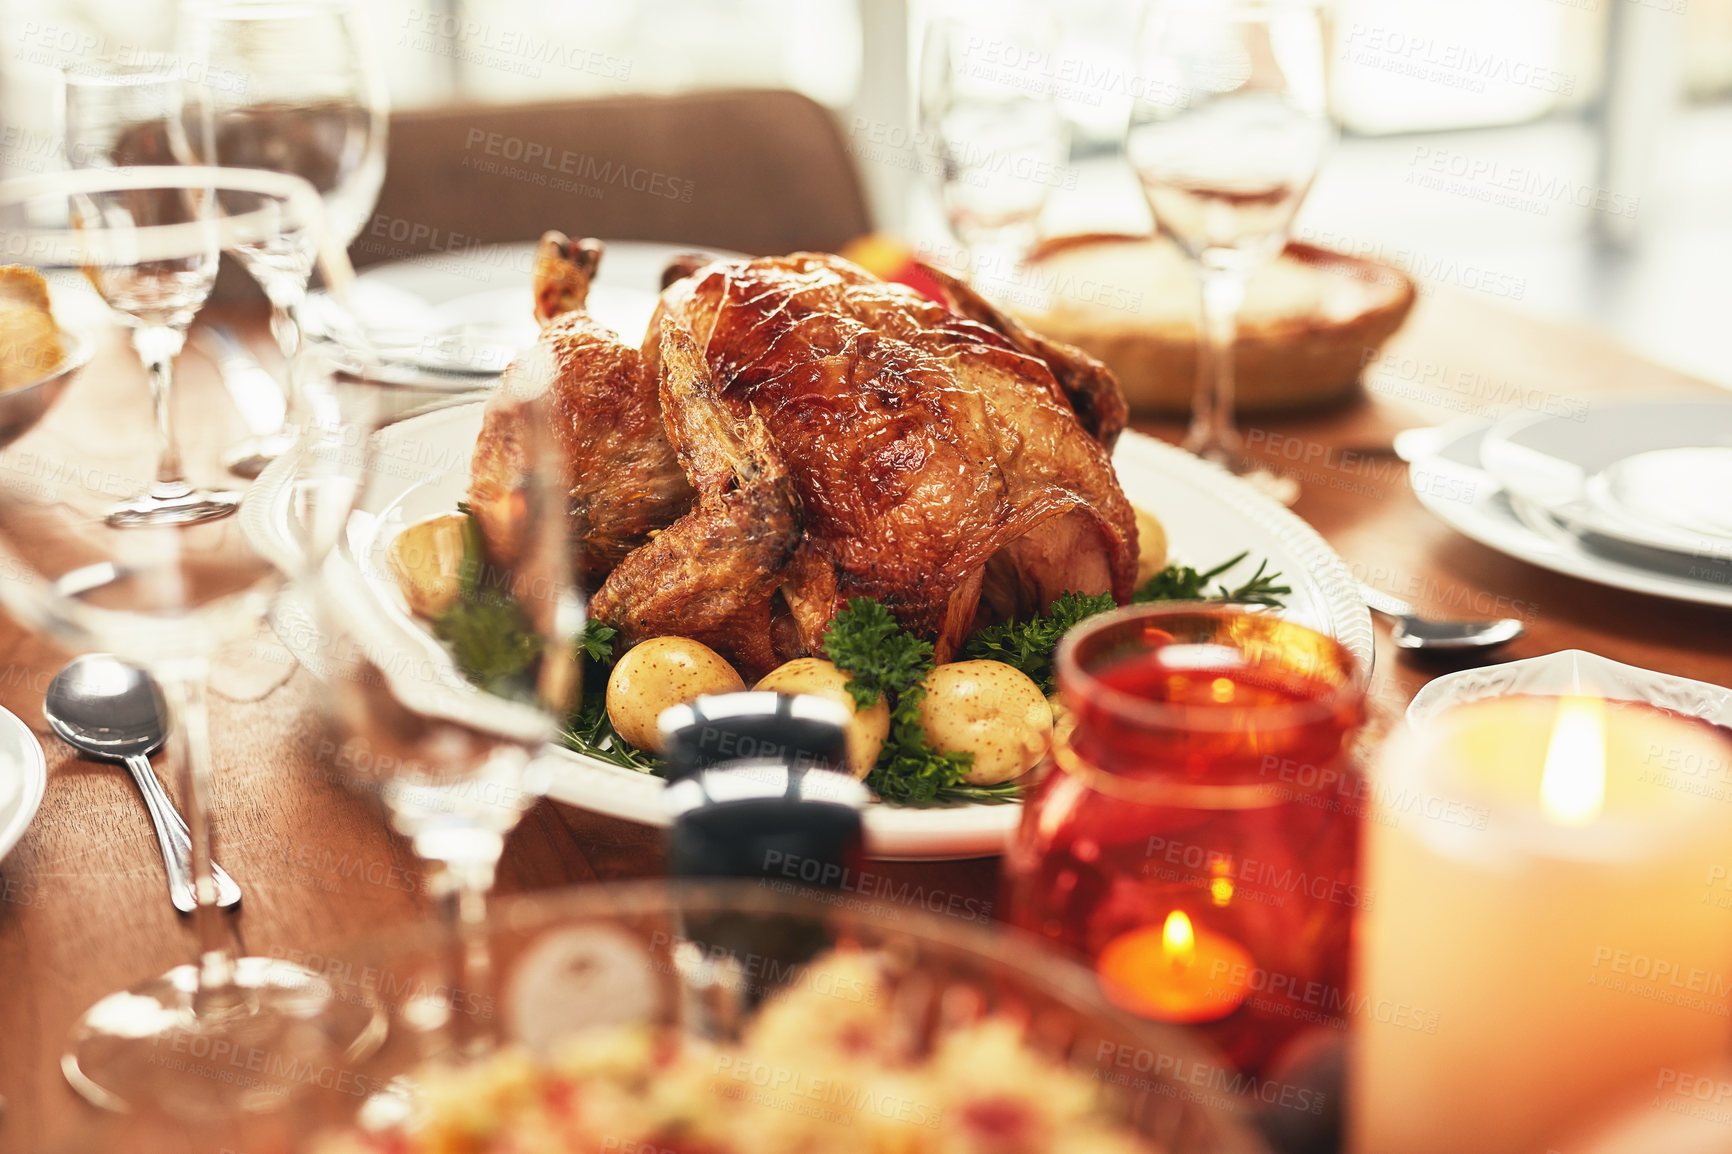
pixel 844 437
pixel 710 575
pixel 623 480
pixel 1090 386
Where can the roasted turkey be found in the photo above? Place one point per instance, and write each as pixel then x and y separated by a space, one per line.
pixel 795 432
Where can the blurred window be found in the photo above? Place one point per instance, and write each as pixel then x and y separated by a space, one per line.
pixel 1708 49
pixel 1419 65
pixel 520 50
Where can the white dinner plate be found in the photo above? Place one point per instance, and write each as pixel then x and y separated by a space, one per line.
pixel 23 777
pixel 474 307
pixel 1447 477
pixel 1651 474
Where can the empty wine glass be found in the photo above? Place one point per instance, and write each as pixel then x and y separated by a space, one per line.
pixel 293 86
pixel 1226 135
pixel 987 105
pixel 227 1033
pixel 452 623
pixel 117 117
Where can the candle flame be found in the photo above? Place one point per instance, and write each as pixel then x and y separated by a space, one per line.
pixel 1573 787
pixel 1178 943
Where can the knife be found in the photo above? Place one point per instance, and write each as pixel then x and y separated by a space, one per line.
pixel 256 393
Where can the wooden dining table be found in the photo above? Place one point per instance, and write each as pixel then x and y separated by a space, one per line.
pixel 84 910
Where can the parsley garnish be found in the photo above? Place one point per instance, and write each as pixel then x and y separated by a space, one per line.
pixel 490 638
pixel 494 646
pixel 865 642
pixel 492 643
pixel 597 641
pixel 588 730
pixel 1028 645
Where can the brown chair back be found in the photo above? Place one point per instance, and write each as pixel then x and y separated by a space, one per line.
pixel 758 171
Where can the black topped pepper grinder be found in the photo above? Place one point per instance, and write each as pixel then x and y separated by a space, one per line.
pixel 796 729
pixel 758 790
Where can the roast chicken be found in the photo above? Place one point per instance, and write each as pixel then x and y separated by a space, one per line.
pixel 795 432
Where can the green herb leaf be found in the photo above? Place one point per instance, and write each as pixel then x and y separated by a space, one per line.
pixel 1028 645
pixel 491 641
pixel 597 641
pixel 490 638
pixel 1182 583
pixel 588 731
pixel 1000 794
pixel 865 642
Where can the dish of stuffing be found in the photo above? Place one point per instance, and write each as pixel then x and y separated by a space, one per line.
pixel 725 1017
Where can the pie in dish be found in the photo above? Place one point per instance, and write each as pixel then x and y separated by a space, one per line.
pixel 793 433
pixel 1311 318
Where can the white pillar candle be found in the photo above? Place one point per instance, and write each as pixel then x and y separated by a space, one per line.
pixel 1546 874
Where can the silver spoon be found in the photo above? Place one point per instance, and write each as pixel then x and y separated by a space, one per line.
pixel 110 710
pixel 1412 631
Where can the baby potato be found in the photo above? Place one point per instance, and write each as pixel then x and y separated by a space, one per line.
pixel 989 709
pixel 658 674
pixel 814 675
pixel 427 560
pixel 1151 545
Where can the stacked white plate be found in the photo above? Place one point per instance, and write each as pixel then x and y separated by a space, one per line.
pixel 1635 495
pixel 454 320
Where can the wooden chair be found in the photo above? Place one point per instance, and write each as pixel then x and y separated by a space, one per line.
pixel 760 171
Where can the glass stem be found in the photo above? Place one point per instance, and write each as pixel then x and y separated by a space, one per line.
pixel 462 887
pixel 157 347
pixel 1212 435
pixel 287 295
pixel 184 686
pixel 286 327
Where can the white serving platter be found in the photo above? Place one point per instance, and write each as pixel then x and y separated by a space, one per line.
pixel 1208 514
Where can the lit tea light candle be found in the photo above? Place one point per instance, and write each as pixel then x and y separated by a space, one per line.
pixel 1176 972
pixel 1573 784
pixel 1544 931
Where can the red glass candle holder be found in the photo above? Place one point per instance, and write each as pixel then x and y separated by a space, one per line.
pixel 1198 836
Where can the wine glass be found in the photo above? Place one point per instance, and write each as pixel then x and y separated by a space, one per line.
pixel 452 624
pixel 988 108
pixel 1226 135
pixel 293 87
pixel 116 117
pixel 167 595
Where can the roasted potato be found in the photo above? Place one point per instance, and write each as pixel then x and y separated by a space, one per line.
pixel 1151 545
pixel 814 675
pixel 427 560
pixel 659 674
pixel 989 709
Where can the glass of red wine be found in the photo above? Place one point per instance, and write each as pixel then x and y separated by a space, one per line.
pixel 1226 134
pixel 1198 837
